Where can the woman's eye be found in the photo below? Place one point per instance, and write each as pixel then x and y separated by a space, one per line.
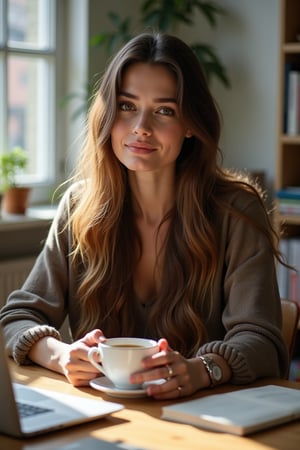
pixel 166 111
pixel 125 106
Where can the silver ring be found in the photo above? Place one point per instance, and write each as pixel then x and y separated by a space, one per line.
pixel 170 371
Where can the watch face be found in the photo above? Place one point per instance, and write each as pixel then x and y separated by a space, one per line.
pixel 216 372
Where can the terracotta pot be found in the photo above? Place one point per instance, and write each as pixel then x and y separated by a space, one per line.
pixel 15 200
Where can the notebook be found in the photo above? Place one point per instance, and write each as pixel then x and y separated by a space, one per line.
pixel 30 411
pixel 239 412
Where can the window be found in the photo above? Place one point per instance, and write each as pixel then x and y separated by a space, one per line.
pixel 27 85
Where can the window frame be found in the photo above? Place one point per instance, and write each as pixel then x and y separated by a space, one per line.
pixel 71 72
pixel 48 173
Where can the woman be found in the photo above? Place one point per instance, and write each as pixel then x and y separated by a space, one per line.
pixel 155 240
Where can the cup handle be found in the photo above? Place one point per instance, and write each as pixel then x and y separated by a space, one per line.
pixel 91 353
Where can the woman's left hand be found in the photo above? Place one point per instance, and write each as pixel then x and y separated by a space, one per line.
pixel 183 376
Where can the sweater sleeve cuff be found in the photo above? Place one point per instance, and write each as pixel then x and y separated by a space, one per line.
pixel 30 337
pixel 241 373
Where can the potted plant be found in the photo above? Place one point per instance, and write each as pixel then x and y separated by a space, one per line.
pixel 14 197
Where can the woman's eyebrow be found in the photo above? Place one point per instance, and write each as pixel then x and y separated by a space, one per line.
pixel 156 100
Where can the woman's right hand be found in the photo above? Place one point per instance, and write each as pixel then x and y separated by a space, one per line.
pixel 68 359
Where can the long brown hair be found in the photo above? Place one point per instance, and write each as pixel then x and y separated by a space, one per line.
pixel 102 220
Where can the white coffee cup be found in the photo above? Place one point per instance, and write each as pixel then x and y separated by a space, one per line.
pixel 120 357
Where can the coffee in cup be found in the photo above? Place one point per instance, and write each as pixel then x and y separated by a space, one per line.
pixel 120 357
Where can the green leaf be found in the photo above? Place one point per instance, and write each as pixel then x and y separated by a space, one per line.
pixel 115 19
pixel 209 10
pixel 98 40
pixel 210 63
pixel 10 164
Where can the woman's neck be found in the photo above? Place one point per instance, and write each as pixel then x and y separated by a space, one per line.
pixel 153 196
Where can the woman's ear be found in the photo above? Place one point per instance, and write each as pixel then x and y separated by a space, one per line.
pixel 188 134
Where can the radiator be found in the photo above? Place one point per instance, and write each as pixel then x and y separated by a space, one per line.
pixel 12 275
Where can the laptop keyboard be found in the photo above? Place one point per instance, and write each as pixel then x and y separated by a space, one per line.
pixel 26 410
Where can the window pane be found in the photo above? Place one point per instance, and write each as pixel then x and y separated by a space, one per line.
pixel 27 88
pixel 28 109
pixel 28 23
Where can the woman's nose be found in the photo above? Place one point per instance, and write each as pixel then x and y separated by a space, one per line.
pixel 142 125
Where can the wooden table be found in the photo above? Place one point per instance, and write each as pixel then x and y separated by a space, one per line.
pixel 139 423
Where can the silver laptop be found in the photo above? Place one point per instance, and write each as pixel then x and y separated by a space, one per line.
pixel 30 411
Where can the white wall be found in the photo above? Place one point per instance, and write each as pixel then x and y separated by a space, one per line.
pixel 75 61
pixel 247 40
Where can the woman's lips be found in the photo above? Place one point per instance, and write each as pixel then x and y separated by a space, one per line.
pixel 140 147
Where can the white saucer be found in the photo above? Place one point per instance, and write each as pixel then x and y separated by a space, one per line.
pixel 103 384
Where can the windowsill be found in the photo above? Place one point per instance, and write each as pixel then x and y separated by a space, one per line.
pixel 24 236
pixel 35 215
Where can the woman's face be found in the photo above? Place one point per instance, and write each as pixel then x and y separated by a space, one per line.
pixel 147 134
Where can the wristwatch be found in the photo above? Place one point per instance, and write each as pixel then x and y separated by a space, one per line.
pixel 214 370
